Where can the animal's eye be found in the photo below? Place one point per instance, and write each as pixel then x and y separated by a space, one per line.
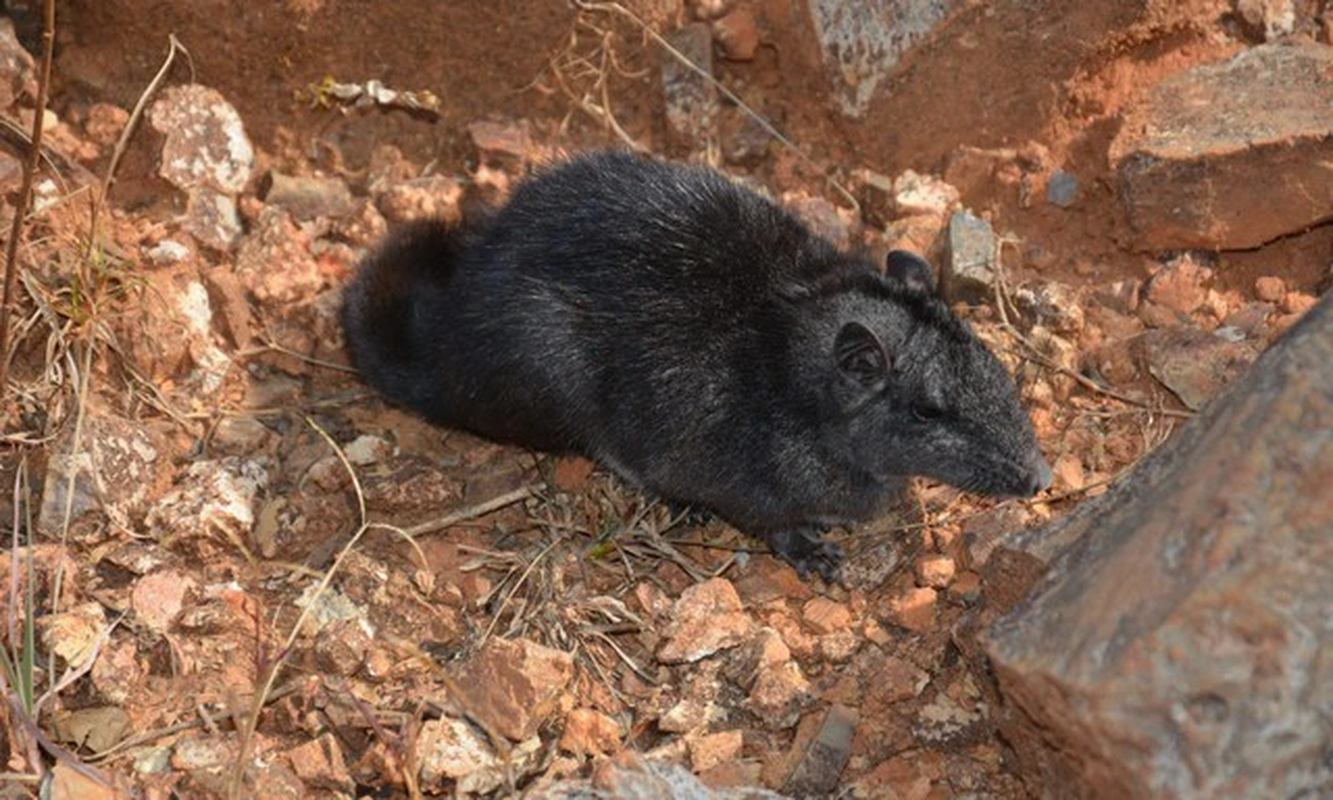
pixel 926 412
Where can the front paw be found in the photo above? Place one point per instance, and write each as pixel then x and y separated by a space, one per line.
pixel 808 552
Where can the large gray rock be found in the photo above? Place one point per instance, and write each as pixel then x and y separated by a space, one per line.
pixel 864 41
pixel 1180 644
pixel 1231 155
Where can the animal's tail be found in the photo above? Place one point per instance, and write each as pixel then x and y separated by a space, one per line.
pixel 389 312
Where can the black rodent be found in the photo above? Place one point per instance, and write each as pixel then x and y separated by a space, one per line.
pixel 698 340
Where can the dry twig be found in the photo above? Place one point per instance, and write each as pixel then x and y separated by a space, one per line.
pixel 25 189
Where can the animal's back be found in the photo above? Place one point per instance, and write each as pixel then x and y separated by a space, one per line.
pixel 612 291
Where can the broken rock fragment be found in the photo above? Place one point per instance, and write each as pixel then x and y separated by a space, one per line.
pixel 707 618
pixel 514 685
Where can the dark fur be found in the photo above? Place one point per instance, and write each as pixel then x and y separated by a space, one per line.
pixel 698 340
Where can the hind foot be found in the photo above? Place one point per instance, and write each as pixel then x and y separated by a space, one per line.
pixel 808 552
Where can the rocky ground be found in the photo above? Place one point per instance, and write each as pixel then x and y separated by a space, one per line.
pixel 244 574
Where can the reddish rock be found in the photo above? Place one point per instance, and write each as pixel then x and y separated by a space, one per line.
pixel 712 749
pixel 1180 285
pixel 1180 624
pixel 772 582
pixel 918 234
pixel 274 262
pixel 966 589
pixel 1218 156
pixel 1068 473
pixel 117 671
pixel 227 295
pixel 913 609
pixel 935 571
pixel 707 618
pixel 1270 289
pixel 206 143
pixel 514 685
pixel 1298 302
pixel 319 763
pixel 507 144
pixel 738 34
pixel 907 776
pixel 823 615
pixel 68 783
pixel 590 733
pixel 801 644
pixel 105 123
pixel 341 647
pixel 431 197
pixel 73 634
pixel 158 598
pixel 915 194
pixel 732 775
pixel 838 647
pixel 779 695
pixel 206 154
pixel 893 681
pixel 764 651
pixel 652 600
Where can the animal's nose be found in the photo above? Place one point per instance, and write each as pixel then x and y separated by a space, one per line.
pixel 1040 477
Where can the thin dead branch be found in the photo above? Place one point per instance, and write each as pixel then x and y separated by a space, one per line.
pixel 25 189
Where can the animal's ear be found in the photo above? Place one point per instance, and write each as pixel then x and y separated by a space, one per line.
pixel 861 355
pixel 910 269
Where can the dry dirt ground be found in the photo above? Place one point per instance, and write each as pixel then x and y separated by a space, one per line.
pixel 248 575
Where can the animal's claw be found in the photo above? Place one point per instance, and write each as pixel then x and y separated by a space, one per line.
pixel 809 553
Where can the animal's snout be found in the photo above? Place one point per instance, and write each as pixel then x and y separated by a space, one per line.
pixel 1039 474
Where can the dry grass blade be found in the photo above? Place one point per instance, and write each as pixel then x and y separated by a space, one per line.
pixel 71 476
pixel 74 674
pixel 522 579
pixel 25 190
pixel 569 66
pixel 250 724
pixel 171 730
pixel 472 512
pixel 135 115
